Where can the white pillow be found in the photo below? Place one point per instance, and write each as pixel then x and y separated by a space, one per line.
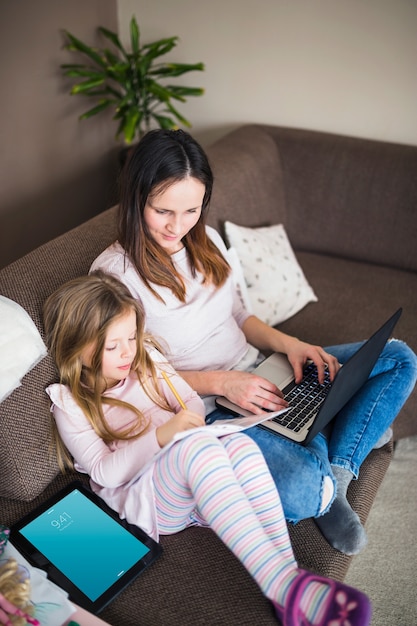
pixel 276 284
pixel 239 279
pixel 21 346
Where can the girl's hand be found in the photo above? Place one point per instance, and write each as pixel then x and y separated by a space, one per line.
pixel 299 352
pixel 184 420
pixel 251 392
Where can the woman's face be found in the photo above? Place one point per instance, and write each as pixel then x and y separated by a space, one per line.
pixel 171 214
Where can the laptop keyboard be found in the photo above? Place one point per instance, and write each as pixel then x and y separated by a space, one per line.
pixel 304 399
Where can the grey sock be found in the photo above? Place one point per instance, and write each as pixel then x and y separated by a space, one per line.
pixel 341 525
pixel 384 438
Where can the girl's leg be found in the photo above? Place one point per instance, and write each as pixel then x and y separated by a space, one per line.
pixel 359 427
pixel 260 491
pixel 197 474
pixel 228 481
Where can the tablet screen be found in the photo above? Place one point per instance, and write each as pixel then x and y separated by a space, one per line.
pixel 77 537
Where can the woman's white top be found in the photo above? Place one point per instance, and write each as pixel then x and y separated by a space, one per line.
pixel 202 333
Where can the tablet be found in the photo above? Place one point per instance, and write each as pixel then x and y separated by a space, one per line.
pixel 84 546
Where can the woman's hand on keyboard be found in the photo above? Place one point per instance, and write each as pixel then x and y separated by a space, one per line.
pixel 299 352
pixel 251 392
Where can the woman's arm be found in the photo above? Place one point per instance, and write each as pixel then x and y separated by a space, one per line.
pixel 252 392
pixel 265 337
pixel 249 391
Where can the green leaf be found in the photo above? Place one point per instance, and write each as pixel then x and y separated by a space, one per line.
pixel 165 122
pixel 162 93
pixel 176 69
pixel 179 117
pixel 95 93
pixel 78 46
pixel 185 91
pixel 161 47
pixel 117 94
pixel 88 84
pixel 78 73
pixel 134 35
pixel 130 125
pixel 104 104
pixel 110 57
pixel 113 38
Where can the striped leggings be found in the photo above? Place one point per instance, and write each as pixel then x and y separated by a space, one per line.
pixel 225 483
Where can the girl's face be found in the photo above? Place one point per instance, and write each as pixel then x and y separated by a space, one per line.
pixel 171 214
pixel 119 349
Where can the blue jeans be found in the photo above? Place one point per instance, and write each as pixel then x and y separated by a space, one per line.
pixel 299 471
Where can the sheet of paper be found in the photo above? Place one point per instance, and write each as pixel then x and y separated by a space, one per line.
pixel 219 428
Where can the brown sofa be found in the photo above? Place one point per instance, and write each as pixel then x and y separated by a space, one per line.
pixel 349 208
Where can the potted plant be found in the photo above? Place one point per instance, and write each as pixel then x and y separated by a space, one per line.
pixel 133 83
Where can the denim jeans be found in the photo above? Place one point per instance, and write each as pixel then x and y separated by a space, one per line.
pixel 299 471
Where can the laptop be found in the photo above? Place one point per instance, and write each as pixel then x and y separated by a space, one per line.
pixel 312 405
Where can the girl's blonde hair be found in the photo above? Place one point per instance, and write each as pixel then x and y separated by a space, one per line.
pixel 77 316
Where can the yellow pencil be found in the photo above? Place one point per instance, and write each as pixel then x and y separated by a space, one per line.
pixel 174 391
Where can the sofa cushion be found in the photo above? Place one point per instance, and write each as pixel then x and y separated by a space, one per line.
pixel 276 285
pixel 197 581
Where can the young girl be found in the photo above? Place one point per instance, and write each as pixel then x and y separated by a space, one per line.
pixel 177 268
pixel 115 410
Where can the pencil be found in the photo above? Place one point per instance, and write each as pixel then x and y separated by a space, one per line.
pixel 174 391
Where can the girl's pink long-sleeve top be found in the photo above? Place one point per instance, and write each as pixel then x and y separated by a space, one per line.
pixel 121 472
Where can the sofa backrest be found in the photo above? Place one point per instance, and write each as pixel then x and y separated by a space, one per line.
pixel 27 456
pixel 343 196
pixel 248 179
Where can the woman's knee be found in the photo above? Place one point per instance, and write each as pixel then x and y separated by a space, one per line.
pixel 402 353
pixel 306 491
pixel 328 494
pixel 405 361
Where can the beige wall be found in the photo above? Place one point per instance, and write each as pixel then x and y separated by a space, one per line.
pixel 55 172
pixel 346 66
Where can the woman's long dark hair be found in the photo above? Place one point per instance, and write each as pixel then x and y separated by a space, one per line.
pixel 162 158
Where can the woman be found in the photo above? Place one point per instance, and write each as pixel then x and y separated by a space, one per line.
pixel 177 268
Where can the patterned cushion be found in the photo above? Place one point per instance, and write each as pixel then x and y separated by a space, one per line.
pixel 276 284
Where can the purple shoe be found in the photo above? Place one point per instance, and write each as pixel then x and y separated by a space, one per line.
pixel 347 606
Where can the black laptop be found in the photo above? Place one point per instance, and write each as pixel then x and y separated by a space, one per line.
pixel 313 405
